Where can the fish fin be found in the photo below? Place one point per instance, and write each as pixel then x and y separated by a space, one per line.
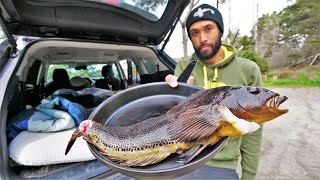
pixel 181 107
pixel 188 152
pixel 195 123
pixel 145 160
pixel 240 126
pixel 103 153
pixel 191 153
pixel 137 161
pixel 179 151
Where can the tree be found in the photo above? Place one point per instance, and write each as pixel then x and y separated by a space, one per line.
pixel 245 44
pixel 290 34
pixel 267 34
pixel 149 5
pixel 253 56
pixel 220 2
pixel 182 22
pixel 300 26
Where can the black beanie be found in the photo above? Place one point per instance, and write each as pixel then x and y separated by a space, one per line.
pixel 205 12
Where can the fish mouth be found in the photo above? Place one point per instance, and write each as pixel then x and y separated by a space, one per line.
pixel 275 102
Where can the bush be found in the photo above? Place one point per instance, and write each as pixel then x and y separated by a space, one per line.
pixel 253 56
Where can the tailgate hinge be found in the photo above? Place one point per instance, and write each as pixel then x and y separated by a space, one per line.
pixel 9 35
pixel 14 51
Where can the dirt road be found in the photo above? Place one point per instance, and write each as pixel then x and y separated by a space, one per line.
pixel 291 143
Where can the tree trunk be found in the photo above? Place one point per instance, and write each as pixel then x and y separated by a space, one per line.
pixel 184 40
pixel 183 28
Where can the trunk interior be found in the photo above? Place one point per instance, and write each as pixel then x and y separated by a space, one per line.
pixel 132 64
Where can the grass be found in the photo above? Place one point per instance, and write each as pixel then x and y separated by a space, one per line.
pixel 298 77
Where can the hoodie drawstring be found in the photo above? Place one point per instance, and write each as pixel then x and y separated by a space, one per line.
pixel 205 76
pixel 215 78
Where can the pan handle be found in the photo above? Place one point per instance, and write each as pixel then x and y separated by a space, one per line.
pixel 187 71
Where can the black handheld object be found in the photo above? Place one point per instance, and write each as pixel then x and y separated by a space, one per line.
pixel 187 72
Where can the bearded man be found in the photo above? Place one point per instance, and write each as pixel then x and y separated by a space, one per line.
pixel 218 65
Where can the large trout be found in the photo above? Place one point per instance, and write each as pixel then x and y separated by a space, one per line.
pixel 197 122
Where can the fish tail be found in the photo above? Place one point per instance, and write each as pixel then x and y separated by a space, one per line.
pixel 73 138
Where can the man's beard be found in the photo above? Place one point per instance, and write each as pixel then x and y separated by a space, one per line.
pixel 206 55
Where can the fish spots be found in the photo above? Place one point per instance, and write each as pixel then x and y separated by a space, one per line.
pixel 141 149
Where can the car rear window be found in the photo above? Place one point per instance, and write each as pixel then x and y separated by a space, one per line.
pixel 91 71
pixel 152 10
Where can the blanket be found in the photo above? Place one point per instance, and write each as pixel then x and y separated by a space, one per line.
pixel 55 115
pixel 88 97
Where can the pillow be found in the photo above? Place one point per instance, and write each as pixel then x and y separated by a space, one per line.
pixel 36 149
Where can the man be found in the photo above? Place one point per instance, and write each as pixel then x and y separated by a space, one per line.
pixel 218 66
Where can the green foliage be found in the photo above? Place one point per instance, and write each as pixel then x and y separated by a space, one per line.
pixel 294 56
pixel 267 22
pixel 293 32
pixel 246 42
pixel 300 22
pixel 253 56
pixel 300 80
pixel 298 76
pixel 149 5
pixel 237 41
pixel 248 52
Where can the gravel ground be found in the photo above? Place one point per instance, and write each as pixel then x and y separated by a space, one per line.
pixel 291 143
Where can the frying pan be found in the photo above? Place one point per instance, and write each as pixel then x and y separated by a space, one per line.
pixel 137 104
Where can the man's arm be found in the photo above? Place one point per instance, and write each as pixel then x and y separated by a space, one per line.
pixel 256 77
pixel 251 144
pixel 250 154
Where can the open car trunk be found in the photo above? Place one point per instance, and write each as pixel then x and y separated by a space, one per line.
pixel 117 36
pixel 39 154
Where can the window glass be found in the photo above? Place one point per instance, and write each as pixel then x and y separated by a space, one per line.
pixel 92 71
pixel 3 41
pixel 135 77
pixel 135 73
pixel 152 10
pixel 151 68
pixel 3 45
pixel 124 66
pixel 115 71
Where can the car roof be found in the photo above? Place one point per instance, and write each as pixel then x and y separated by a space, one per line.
pixel 127 21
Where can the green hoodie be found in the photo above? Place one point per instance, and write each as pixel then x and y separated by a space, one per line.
pixel 232 70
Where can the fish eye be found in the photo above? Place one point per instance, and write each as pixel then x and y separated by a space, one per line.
pixel 254 90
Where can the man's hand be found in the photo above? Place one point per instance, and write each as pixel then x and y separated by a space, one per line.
pixel 172 80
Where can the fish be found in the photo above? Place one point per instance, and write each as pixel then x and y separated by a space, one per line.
pixel 197 122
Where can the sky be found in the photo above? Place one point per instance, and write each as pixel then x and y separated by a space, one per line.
pixel 243 16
